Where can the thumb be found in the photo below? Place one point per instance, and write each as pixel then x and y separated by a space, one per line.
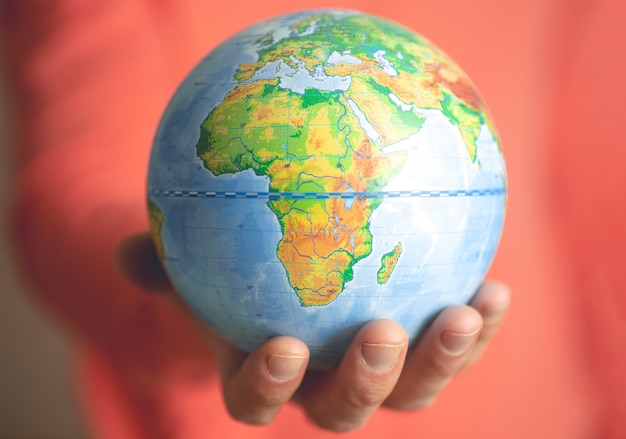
pixel 137 261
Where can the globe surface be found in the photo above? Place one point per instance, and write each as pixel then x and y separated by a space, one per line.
pixel 320 170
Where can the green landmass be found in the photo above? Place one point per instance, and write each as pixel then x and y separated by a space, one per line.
pixel 314 142
pixel 466 118
pixel 388 263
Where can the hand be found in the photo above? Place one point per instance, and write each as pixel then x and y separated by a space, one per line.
pixel 377 370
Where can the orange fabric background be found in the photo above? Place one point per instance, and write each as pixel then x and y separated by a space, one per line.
pixel 91 80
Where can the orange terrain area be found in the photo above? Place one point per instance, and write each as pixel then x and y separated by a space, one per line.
pixel 459 85
pixel 317 252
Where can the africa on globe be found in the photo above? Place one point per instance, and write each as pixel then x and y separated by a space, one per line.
pixel 320 170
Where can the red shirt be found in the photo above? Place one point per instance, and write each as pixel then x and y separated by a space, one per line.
pixel 90 81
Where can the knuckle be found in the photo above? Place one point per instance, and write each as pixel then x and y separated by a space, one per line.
pixel 253 407
pixel 243 417
pixel 473 358
pixel 247 415
pixel 412 404
pixel 238 413
pixel 364 398
pixel 442 367
pixel 351 411
pixel 338 424
pixel 264 398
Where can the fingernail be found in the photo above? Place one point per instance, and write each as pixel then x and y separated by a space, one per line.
pixel 381 357
pixel 284 367
pixel 455 343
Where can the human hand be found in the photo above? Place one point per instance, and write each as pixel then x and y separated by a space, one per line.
pixel 377 370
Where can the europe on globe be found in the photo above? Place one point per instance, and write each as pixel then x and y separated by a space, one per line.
pixel 320 170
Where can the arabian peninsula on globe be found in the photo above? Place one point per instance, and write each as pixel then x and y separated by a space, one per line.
pixel 320 170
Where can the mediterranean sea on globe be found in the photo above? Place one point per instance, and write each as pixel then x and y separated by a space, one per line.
pixel 322 169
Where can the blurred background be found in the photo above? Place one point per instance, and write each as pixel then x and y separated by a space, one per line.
pixel 559 58
pixel 36 396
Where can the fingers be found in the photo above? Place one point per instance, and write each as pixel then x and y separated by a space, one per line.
pixel 443 350
pixel 344 399
pixel 492 302
pixel 257 385
pixel 375 369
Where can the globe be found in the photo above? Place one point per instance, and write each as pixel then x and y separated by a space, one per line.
pixel 322 169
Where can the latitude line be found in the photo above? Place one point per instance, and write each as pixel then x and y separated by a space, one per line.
pixel 329 195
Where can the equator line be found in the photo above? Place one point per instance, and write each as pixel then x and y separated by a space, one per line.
pixel 328 195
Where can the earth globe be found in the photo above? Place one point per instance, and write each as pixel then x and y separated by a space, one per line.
pixel 322 169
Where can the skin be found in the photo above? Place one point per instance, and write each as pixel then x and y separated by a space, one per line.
pixel 377 370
